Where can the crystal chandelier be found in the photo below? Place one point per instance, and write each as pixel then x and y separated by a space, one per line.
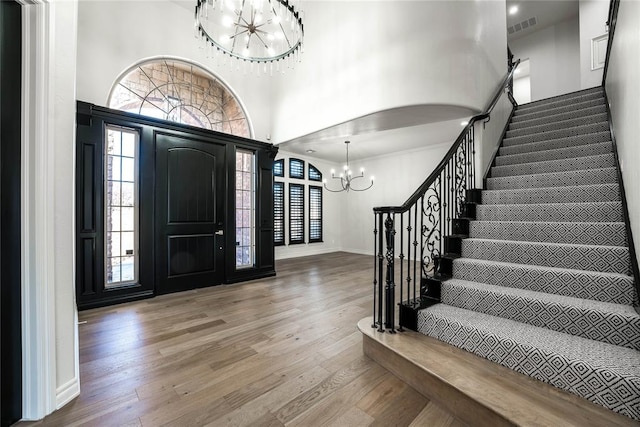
pixel 258 31
pixel 346 177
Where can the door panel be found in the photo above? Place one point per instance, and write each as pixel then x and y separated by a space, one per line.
pixel 189 213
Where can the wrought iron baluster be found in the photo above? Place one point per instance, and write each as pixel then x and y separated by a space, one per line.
pixel 409 256
pixel 375 266
pixel 415 249
pixel 401 260
pixel 380 265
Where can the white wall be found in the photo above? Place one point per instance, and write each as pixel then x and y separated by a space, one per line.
pixel 113 35
pixel 522 89
pixel 623 87
pixel 397 176
pixel 554 54
pixel 593 18
pixel 367 56
pixel 331 211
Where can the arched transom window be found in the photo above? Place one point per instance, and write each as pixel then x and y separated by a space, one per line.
pixel 182 92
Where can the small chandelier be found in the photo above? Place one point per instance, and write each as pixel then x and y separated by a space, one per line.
pixel 346 177
pixel 258 31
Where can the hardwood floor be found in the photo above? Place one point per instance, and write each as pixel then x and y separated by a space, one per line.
pixel 272 352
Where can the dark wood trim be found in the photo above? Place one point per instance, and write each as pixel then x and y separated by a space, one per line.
pixel 91 121
pixel 11 213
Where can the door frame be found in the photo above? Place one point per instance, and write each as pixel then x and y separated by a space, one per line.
pixel 90 115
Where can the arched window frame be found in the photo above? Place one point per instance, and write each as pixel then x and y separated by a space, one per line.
pixel 202 69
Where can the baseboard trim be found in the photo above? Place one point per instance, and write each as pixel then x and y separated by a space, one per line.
pixel 67 392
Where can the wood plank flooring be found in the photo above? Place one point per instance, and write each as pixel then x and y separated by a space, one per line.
pixel 272 352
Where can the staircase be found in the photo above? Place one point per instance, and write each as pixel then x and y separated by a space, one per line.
pixel 541 282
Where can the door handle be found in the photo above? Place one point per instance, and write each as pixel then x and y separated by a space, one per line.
pixel 220 233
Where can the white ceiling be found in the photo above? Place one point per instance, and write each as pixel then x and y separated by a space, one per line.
pixel 411 127
pixel 384 132
pixel 547 13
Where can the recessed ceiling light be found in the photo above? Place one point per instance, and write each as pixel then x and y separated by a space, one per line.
pixel 310 151
pixel 513 10
pixel 464 123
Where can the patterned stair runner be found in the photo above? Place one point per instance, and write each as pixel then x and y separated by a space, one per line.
pixel 543 283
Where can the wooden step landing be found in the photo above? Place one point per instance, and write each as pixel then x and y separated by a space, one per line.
pixel 479 392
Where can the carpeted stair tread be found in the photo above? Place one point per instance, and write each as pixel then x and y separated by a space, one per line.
pixel 615 324
pixel 612 259
pixel 606 374
pixel 560 101
pixel 557 125
pixel 552 212
pixel 599 286
pixel 554 179
pixel 552 144
pixel 598 126
pixel 568 194
pixel 555 154
pixel 584 233
pixel 600 161
pixel 559 117
pixel 553 113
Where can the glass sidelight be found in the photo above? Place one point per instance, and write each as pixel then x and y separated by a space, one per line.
pixel 121 206
pixel 245 208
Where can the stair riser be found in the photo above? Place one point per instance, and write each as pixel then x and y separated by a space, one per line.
pixel 606 387
pixel 581 233
pixel 554 126
pixel 558 179
pixel 556 134
pixel 564 165
pixel 557 154
pixel 616 289
pixel 559 102
pixel 610 259
pixel 610 328
pixel 553 112
pixel 585 193
pixel 570 115
pixel 553 144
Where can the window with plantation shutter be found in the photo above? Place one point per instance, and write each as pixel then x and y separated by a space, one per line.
pixel 315 214
pixel 296 213
pixel 296 168
pixel 278 168
pixel 278 213
pixel 314 173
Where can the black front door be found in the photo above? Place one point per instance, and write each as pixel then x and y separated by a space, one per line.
pixel 189 213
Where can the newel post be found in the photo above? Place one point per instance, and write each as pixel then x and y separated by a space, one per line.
pixel 390 287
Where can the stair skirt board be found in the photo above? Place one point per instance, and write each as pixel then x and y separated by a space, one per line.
pixel 543 282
